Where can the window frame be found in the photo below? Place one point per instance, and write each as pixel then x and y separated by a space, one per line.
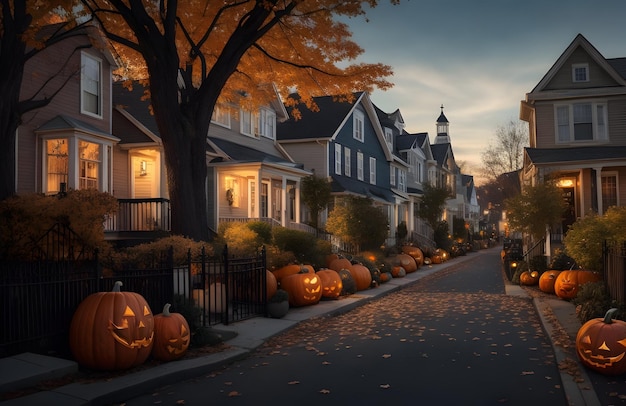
pixel 392 175
pixel 267 123
pixel 221 117
pixel 372 162
pixel 565 122
pixel 337 159
pixel 359 166
pixel 250 129
pixel 358 122
pixel 580 67
pixel 84 56
pixel 606 175
pixel 347 161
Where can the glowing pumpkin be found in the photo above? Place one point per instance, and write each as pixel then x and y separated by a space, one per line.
pixel 547 280
pixel 529 278
pixel 291 269
pixel 568 283
pixel 171 335
pixel 112 330
pixel 331 283
pixel 304 288
pixel 601 344
pixel 361 275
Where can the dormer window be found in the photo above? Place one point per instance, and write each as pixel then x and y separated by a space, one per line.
pixel 389 137
pixel 580 72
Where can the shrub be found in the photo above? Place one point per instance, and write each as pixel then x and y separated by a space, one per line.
pixel 263 230
pixel 148 254
pixel 561 261
pixel 241 240
pixel 357 221
pixel 302 244
pixel 538 263
pixel 583 241
pixel 592 301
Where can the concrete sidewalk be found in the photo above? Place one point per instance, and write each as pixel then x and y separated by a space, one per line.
pixel 24 370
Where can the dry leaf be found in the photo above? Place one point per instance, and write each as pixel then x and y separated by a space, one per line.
pixel 386 355
pixel 233 394
pixel 385 386
pixel 293 382
pixel 325 391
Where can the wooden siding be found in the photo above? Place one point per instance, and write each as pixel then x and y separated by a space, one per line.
pixel 121 177
pixel 617 121
pixel 67 102
pixel 597 75
pixel 313 155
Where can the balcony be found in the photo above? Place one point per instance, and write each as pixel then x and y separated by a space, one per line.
pixel 139 219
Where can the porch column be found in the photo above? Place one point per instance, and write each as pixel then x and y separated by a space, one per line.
pixel 410 221
pixel 283 202
pixel 598 170
pixel 297 202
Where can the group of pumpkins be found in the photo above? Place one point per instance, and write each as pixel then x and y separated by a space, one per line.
pixel 564 284
pixel 116 330
pixel 341 276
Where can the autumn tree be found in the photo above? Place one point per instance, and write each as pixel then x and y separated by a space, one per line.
pixel 26 28
pixel 357 221
pixel 505 152
pixel 195 54
pixel 432 203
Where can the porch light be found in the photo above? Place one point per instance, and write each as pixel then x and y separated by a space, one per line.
pixel 143 168
pixel 565 183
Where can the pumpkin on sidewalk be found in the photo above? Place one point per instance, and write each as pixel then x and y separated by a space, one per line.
pixel 171 335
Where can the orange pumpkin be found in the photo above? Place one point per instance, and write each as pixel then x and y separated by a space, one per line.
pixel 397 272
pixel 112 330
pixel 331 283
pixel 171 335
pixel 568 283
pixel 271 284
pixel 304 288
pixel 407 262
pixel 291 269
pixel 529 278
pixel 361 275
pixel 547 280
pixel 385 277
pixel 415 252
pixel 331 257
pixel 340 263
pixel 601 344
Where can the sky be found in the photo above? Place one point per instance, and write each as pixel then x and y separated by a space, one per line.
pixel 477 58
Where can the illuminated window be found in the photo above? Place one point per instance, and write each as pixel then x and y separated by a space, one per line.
pixel 89 165
pixel 57 163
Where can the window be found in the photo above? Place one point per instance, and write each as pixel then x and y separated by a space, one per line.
pixel 372 170
pixel 246 123
pixel 581 122
pixel 609 191
pixel 580 72
pixel 359 165
pixel 91 86
pixel 221 116
pixel 57 163
pixel 338 159
pixel 358 120
pixel 89 164
pixel 389 137
pixel 402 180
pixel 392 176
pixel 267 123
pixel 347 161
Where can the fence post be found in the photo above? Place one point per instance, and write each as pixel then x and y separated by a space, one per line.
pixel 227 285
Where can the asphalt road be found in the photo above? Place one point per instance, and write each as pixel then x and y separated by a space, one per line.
pixel 452 338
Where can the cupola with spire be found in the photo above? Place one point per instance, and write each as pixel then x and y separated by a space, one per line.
pixel 442 129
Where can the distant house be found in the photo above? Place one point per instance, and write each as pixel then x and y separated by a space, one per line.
pixel 69 143
pixel 577 127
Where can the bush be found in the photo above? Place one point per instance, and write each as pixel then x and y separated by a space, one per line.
pixel 538 263
pixel 262 229
pixel 357 221
pixel 592 301
pixel 561 261
pixel 241 239
pixel 305 246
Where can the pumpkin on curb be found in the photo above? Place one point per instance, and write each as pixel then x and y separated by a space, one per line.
pixel 171 335
pixel 385 277
pixel 340 263
pixel 361 275
pixel 331 283
pixel 407 262
pixel 291 269
pixel 112 330
pixel 568 283
pixel 601 344
pixel 547 280
pixel 398 272
pixel 529 278
pixel 304 289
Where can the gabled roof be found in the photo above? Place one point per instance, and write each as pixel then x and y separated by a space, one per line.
pixel 545 156
pixel 441 152
pixel 134 102
pixel 241 153
pixel 343 184
pixel 581 41
pixel 67 123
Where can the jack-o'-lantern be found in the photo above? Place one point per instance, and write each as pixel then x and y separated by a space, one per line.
pixel 112 330
pixel 171 335
pixel 304 288
pixel 339 264
pixel 547 280
pixel 529 278
pixel 331 283
pixel 362 276
pixel 349 285
pixel 407 262
pixel 568 283
pixel 601 344
pixel 291 269
pixel 415 252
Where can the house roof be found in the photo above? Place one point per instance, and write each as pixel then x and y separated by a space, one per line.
pixel 67 123
pixel 544 156
pixel 242 153
pixel 341 184
pixel 316 124
pixel 134 102
pixel 440 152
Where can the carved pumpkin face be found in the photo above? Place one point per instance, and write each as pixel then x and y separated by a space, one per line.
pixel 171 335
pixel 601 344
pixel 568 283
pixel 112 330
pixel 331 283
pixel 529 278
pixel 303 288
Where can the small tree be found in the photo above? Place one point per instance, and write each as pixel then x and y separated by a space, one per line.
pixel 505 152
pixel 355 220
pixel 432 204
pixel 535 208
pixel 316 196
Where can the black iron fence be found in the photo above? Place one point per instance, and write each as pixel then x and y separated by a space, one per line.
pixel 39 296
pixel 615 270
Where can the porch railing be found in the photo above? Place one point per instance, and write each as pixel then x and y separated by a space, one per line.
pixel 140 215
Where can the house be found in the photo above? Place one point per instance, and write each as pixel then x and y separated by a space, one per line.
pixel 69 143
pixel 344 142
pixel 577 129
pixel 250 177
